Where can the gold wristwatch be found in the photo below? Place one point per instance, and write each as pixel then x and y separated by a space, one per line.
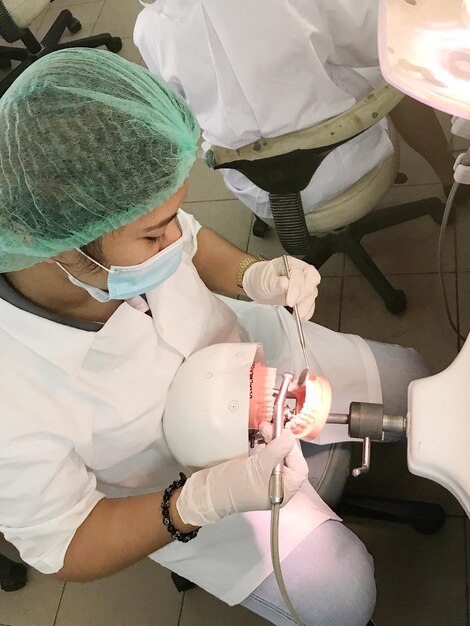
pixel 244 265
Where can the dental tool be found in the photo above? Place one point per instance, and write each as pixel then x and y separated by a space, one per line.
pixel 297 319
pixel 276 495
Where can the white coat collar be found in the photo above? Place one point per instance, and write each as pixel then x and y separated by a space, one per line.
pixel 61 345
pixel 64 346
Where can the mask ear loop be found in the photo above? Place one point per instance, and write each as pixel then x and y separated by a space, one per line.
pixel 92 260
pixel 70 275
pixel 65 270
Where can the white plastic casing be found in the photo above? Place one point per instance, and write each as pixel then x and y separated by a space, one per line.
pixel 206 413
pixel 439 428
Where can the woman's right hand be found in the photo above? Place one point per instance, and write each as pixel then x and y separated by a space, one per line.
pixel 241 484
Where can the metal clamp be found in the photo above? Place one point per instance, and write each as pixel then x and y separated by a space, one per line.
pixel 366 449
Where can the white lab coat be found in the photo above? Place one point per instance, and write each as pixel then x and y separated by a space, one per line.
pixel 263 68
pixel 81 418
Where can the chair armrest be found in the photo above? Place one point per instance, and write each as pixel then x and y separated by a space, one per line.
pixel 352 122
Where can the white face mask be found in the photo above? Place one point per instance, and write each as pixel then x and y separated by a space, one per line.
pixel 127 281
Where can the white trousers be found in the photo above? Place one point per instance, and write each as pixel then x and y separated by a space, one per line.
pixel 330 575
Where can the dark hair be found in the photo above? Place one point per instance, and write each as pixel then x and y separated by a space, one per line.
pixel 95 251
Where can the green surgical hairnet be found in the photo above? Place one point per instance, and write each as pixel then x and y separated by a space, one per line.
pixel 90 143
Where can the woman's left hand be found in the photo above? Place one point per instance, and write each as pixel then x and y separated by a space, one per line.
pixel 266 282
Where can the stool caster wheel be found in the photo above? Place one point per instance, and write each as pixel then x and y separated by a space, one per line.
pixel 5 64
pixel 260 228
pixel 398 304
pixel 13 575
pixel 114 44
pixel 75 26
pixel 181 584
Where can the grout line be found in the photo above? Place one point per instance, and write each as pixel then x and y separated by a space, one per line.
pixel 436 273
pixel 72 3
pixel 58 606
pixel 213 200
pixel 178 623
pixel 38 27
pixel 92 32
pixel 250 233
pixel 341 294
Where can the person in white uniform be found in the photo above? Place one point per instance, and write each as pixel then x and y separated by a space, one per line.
pixel 106 286
pixel 264 68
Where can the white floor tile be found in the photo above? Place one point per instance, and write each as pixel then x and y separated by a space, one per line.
pixel 34 605
pixel 400 194
pixel 206 184
pixel 142 595
pixel 416 168
pixel 328 303
pixel 445 122
pixel 69 4
pixel 87 14
pixel 421 579
pixel 118 17
pixel 422 326
pixel 229 218
pixel 36 24
pixel 460 144
pixel 129 51
pixel 464 302
pixel 408 248
pixel 463 239
pixel 202 609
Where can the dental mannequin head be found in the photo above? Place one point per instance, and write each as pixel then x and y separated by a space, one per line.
pixel 231 393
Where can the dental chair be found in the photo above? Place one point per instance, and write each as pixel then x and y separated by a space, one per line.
pixel 15 18
pixel 283 166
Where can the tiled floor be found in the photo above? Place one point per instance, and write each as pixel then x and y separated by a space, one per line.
pixel 422 580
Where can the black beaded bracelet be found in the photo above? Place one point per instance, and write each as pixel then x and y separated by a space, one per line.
pixel 174 532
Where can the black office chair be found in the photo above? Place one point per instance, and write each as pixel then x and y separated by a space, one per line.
pixel 14 21
pixel 283 166
pixel 13 575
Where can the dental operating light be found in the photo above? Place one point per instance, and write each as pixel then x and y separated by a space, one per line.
pixel 424 49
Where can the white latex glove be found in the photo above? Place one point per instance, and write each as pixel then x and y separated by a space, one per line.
pixel 241 484
pixel 266 282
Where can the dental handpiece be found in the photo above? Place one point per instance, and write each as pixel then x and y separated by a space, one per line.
pixel 276 483
pixel 297 319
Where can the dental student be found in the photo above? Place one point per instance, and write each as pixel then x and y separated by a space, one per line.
pixel 106 286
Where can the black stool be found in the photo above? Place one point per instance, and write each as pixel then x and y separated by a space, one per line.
pixel 285 176
pixel 12 575
pixel 35 49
